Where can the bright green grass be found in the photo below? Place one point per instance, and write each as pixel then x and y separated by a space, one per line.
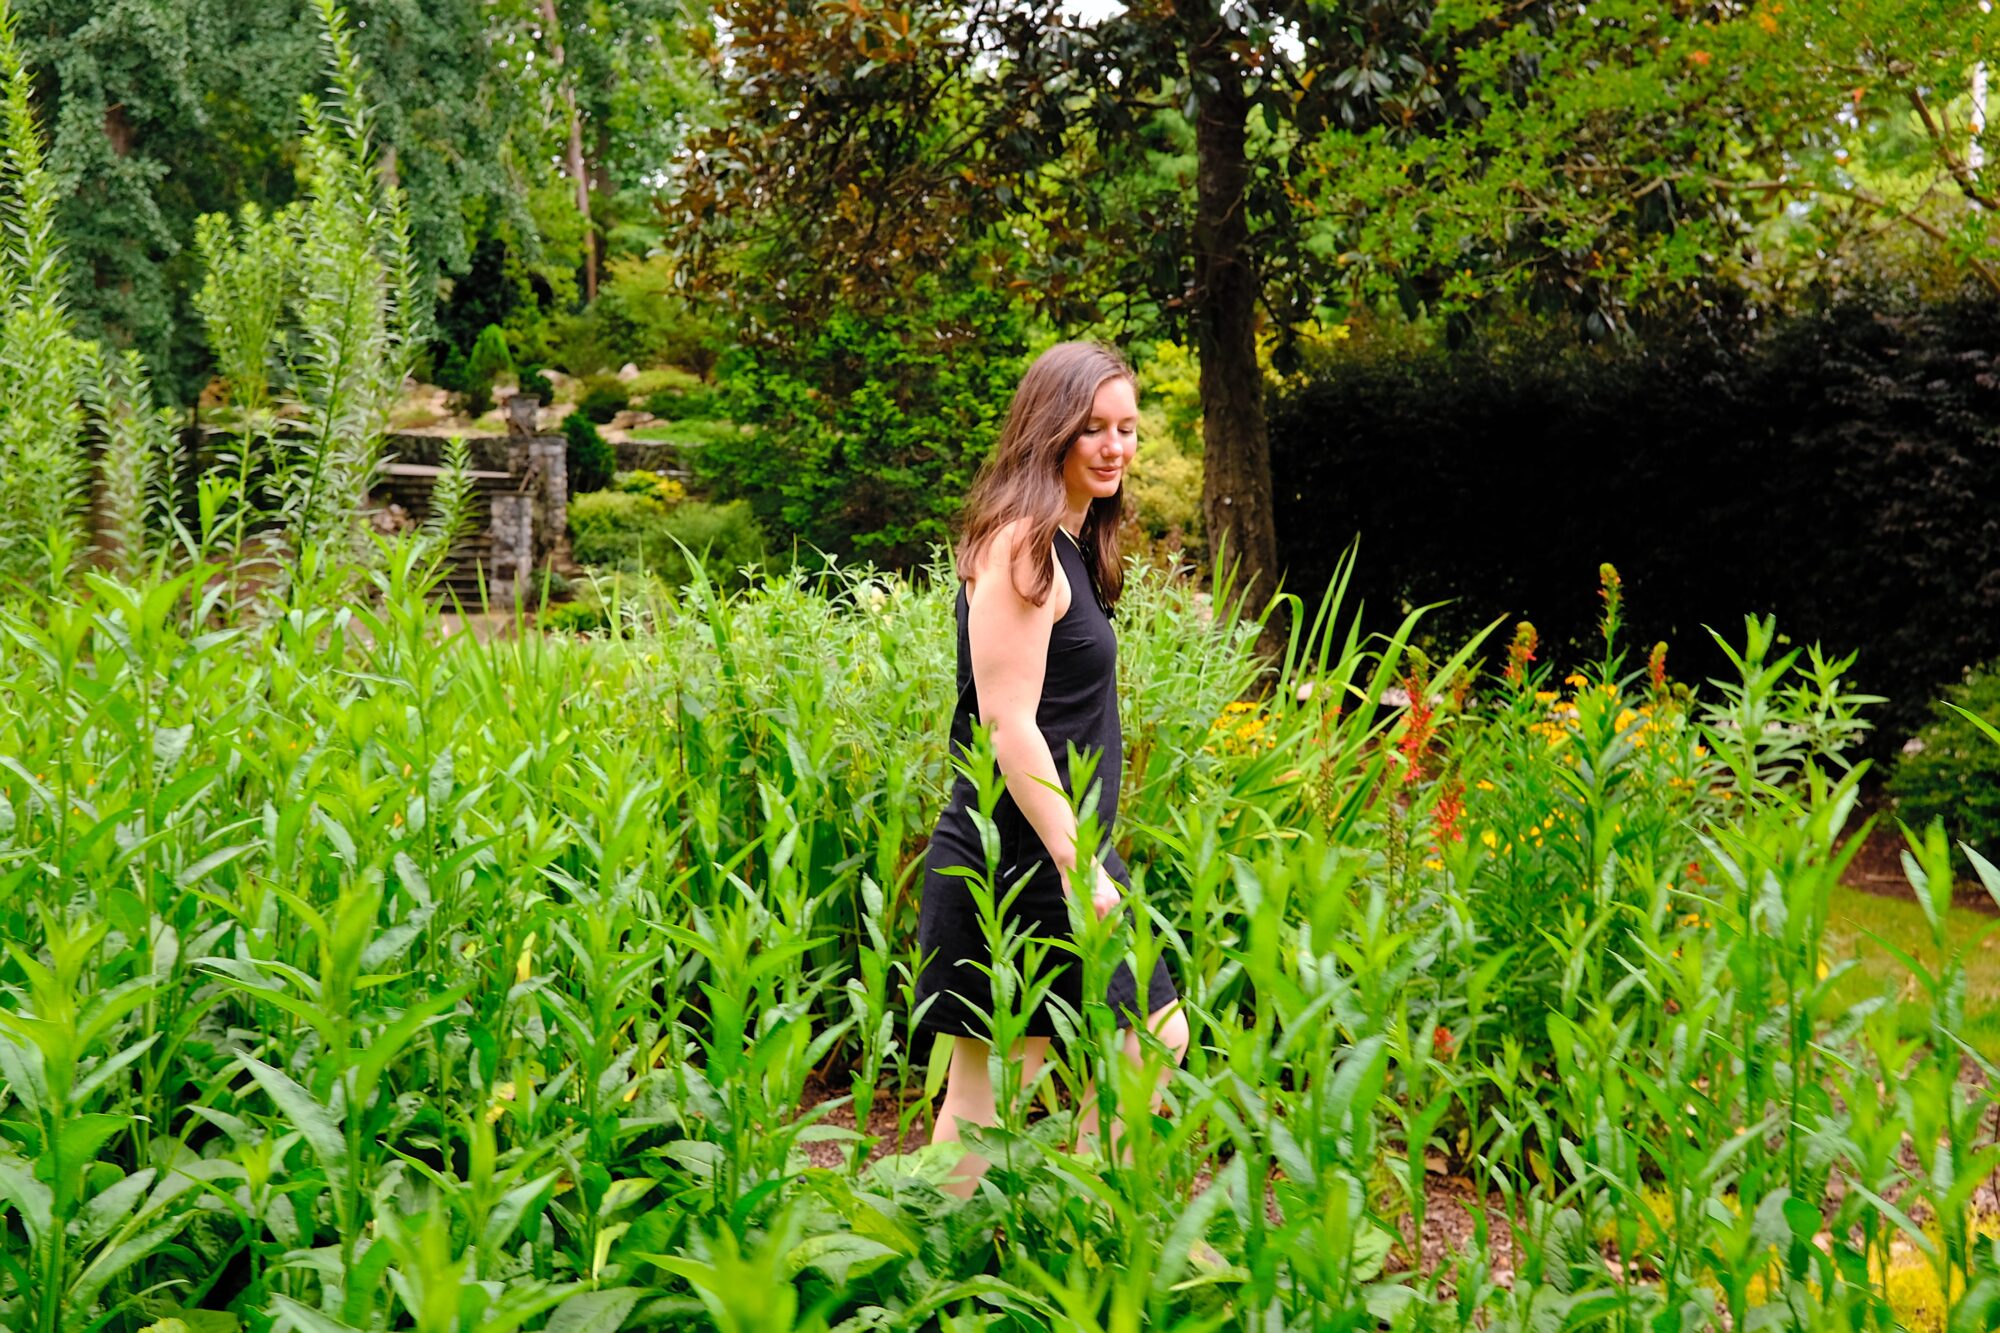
pixel 1861 923
pixel 694 432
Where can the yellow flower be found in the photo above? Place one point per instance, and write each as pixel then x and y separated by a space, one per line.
pixel 1489 837
pixel 1432 863
pixel 1484 785
pixel 1576 679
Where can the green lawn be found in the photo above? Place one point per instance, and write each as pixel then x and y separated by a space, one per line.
pixel 1861 923
pixel 691 433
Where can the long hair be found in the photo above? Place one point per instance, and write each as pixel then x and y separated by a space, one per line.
pixel 1024 477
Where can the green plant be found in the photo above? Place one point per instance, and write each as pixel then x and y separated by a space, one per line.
pixel 604 397
pixel 591 460
pixel 663 379
pixel 1950 770
pixel 42 362
pixel 869 428
pixel 138 473
pixel 548 967
pixel 662 490
pixel 684 404
pixel 488 361
pixel 634 531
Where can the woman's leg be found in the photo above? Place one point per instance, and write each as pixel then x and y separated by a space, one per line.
pixel 1168 1024
pixel 969 1097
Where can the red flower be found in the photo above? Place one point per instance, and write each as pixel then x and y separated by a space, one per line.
pixel 1450 809
pixel 1441 1042
pixel 1418 725
pixel 1520 653
pixel 1657 664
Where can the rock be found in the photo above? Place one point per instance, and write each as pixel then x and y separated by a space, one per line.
pixel 391 519
pixel 628 372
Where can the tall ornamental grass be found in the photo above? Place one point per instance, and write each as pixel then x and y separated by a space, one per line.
pixel 358 977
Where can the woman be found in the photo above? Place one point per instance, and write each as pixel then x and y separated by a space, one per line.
pixel 1037 665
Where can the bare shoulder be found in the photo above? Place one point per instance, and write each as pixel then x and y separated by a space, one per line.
pixel 1008 550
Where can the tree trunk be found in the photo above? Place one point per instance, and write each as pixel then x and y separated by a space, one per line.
pixel 552 28
pixel 1236 462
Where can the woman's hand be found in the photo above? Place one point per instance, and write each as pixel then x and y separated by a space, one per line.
pixel 1107 895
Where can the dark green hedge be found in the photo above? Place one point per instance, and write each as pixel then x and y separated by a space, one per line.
pixel 1842 471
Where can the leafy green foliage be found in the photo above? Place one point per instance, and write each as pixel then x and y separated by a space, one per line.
pixel 1833 470
pixel 634 531
pixel 591 460
pixel 604 397
pixel 1951 769
pixel 139 488
pixel 43 365
pixel 684 404
pixel 868 431
pixel 522 1019
pixel 488 362
pixel 162 111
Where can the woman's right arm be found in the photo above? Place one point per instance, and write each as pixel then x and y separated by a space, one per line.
pixel 1009 639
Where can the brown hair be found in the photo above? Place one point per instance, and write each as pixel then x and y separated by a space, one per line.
pixel 1024 476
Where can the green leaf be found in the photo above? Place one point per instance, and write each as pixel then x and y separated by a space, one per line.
pixel 313 1121
pixel 594 1311
pixel 839 1256
pixel 33 1200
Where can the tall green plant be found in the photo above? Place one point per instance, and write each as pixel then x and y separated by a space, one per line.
pixel 138 476
pixel 43 365
pixel 359 314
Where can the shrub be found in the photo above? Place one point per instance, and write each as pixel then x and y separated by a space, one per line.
pixel 1951 770
pixel 640 316
pixel 663 490
pixel 661 379
pixel 488 361
pixel 1834 472
pixel 697 404
pixel 604 397
pixel 591 460
pixel 627 531
pixel 1164 486
pixel 451 372
pixel 870 427
pixel 574 618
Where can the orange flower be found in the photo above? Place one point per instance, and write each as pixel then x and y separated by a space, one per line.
pixel 1441 1042
pixel 1700 57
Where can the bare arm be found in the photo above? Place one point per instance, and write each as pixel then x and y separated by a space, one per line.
pixel 1009 638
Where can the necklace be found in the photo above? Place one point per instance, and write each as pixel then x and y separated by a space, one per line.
pixel 1071 535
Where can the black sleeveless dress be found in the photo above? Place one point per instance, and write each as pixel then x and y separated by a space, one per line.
pixel 1079 706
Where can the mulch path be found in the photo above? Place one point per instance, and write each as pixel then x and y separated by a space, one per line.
pixel 1878 867
pixel 1449 1200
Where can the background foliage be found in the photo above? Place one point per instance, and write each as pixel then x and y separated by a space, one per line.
pixel 1836 469
pixel 868 429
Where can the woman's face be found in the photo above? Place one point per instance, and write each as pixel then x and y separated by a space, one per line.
pixel 1095 465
